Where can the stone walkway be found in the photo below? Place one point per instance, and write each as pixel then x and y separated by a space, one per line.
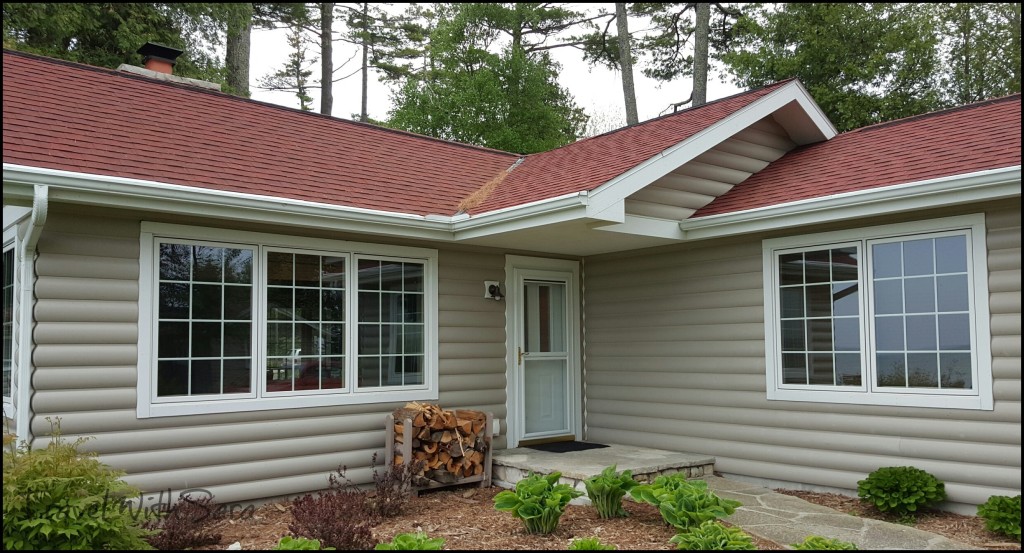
pixel 786 520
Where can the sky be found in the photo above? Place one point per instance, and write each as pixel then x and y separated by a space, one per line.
pixel 596 89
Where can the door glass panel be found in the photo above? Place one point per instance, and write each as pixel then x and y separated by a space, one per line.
pixel 546 395
pixel 544 316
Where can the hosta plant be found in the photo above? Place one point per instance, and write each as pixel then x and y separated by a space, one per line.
pixel 538 501
pixel 607 489
pixel 662 485
pixel 819 543
pixel 686 504
pixel 1002 514
pixel 589 544
pixel 289 543
pixel 410 541
pixel 714 536
pixel 901 490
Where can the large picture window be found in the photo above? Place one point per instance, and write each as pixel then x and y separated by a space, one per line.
pixel 894 315
pixel 256 321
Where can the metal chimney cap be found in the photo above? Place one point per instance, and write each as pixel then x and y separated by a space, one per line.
pixel 152 50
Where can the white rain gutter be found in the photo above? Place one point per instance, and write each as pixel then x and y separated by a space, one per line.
pixel 27 257
pixel 990 184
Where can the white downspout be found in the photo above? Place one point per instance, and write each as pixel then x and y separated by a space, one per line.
pixel 27 253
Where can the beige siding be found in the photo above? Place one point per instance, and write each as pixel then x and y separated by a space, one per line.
pixel 675 359
pixel 86 356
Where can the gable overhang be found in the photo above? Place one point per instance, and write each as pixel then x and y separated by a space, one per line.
pixel 979 186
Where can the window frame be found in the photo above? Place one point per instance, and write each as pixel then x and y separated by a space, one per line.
pixel 11 244
pixel 978 398
pixel 149 405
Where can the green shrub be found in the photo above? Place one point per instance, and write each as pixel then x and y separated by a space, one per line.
pixel 1002 515
pixel 714 536
pixel 901 490
pixel 60 498
pixel 589 544
pixel 685 504
pixel 538 500
pixel 819 543
pixel 289 543
pixel 412 541
pixel 607 489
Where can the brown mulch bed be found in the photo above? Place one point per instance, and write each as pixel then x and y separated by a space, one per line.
pixel 465 517
pixel 962 528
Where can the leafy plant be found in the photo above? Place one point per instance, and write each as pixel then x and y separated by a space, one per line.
pixel 685 504
pixel 589 544
pixel 185 526
pixel 819 543
pixel 289 543
pixel 607 489
pixel 538 500
pixel 58 497
pixel 338 517
pixel 901 490
pixel 412 541
pixel 394 487
pixel 1002 514
pixel 713 535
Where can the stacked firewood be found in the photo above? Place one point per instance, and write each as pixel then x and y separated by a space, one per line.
pixel 451 445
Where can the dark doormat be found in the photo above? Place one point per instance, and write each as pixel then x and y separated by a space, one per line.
pixel 565 447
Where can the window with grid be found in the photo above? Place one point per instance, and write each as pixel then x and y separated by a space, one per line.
pixel 896 318
pixel 8 320
pixel 270 323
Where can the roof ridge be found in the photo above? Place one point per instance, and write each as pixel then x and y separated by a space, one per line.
pixel 192 88
pixel 936 113
pixel 690 109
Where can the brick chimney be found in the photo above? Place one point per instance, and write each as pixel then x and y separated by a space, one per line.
pixel 159 58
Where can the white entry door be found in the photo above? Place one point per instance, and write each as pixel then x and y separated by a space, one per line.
pixel 545 349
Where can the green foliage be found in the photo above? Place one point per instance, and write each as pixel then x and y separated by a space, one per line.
pixel 901 490
pixel 412 541
pixel 819 543
pixel 714 536
pixel 538 500
pixel 981 53
pixel 1002 514
pixel 108 34
pixel 684 504
pixel 607 489
pixel 289 543
pixel 862 63
pixel 473 90
pixel 589 544
pixel 60 498
pixel 668 46
pixel 295 73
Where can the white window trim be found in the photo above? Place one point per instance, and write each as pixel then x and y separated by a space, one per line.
pixel 11 243
pixel 979 399
pixel 148 269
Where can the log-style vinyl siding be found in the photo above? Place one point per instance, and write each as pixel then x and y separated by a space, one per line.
pixel 85 373
pixel 675 359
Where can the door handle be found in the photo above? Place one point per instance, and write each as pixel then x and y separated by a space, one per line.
pixel 521 354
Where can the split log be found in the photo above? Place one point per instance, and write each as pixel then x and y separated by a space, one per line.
pixel 452 445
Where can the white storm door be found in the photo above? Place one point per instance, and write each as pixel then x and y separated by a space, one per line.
pixel 544 358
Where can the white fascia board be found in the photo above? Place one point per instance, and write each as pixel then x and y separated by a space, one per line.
pixel 619 188
pixel 644 226
pixel 990 184
pixel 534 214
pixel 101 190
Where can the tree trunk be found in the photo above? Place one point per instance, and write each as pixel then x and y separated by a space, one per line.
pixel 626 64
pixel 236 58
pixel 326 58
pixel 700 54
pixel 363 115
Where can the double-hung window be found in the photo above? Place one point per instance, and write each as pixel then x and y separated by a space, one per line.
pixel 891 315
pixel 249 321
pixel 10 274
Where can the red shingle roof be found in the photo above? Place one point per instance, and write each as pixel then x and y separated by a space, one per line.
pixel 589 163
pixel 73 117
pixel 970 138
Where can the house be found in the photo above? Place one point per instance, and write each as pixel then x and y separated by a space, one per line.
pixel 231 295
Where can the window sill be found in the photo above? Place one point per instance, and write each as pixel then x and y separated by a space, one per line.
pixel 938 401
pixel 153 410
